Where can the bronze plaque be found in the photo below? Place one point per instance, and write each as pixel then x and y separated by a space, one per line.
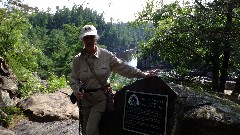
pixel 145 113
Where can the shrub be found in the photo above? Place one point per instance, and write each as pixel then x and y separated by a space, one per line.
pixel 117 81
pixel 11 114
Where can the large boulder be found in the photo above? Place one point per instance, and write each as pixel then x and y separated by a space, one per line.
pixel 206 114
pixel 50 106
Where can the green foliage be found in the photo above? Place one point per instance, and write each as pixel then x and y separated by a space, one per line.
pixel 30 83
pixel 22 57
pixel 12 23
pixel 118 82
pixel 120 37
pixel 11 113
pixel 25 55
pixel 34 85
pixel 56 83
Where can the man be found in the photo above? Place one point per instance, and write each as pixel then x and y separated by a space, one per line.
pixel 89 65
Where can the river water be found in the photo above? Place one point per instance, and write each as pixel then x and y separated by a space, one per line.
pixel 132 62
pixel 128 57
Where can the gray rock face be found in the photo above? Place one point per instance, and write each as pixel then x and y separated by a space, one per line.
pixel 8 88
pixel 4 131
pixel 9 84
pixel 5 99
pixel 50 107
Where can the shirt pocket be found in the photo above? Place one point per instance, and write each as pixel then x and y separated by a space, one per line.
pixel 83 72
pixel 103 69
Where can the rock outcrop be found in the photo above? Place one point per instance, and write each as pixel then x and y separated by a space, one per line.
pixel 50 106
pixel 4 131
pixel 205 114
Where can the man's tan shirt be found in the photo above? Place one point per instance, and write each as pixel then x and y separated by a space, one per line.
pixel 103 62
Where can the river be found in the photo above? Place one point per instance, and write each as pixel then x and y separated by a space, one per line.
pixel 132 62
pixel 127 57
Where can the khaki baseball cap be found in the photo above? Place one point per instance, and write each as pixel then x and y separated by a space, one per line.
pixel 88 30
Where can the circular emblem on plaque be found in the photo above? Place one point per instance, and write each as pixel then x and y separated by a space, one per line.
pixel 133 100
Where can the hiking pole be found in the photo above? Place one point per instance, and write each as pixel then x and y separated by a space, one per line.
pixel 80 125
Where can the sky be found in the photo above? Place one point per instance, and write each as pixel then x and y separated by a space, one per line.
pixel 119 10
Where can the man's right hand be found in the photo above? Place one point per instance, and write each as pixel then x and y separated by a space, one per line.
pixel 79 95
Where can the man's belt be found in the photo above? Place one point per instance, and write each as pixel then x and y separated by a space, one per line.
pixel 92 90
pixel 95 90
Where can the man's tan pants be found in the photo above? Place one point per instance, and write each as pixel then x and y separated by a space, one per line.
pixel 93 106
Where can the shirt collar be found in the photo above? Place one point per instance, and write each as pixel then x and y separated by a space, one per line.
pixel 97 53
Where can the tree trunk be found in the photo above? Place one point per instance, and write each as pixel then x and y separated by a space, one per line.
pixel 215 78
pixel 223 77
pixel 215 73
pixel 215 67
pixel 227 47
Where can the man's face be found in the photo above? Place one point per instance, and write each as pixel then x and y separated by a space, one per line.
pixel 89 41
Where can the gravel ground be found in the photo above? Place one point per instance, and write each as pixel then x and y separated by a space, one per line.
pixel 26 127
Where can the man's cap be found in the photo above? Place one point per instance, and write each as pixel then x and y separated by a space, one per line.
pixel 88 30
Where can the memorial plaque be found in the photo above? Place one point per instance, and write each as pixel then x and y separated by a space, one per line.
pixel 145 113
